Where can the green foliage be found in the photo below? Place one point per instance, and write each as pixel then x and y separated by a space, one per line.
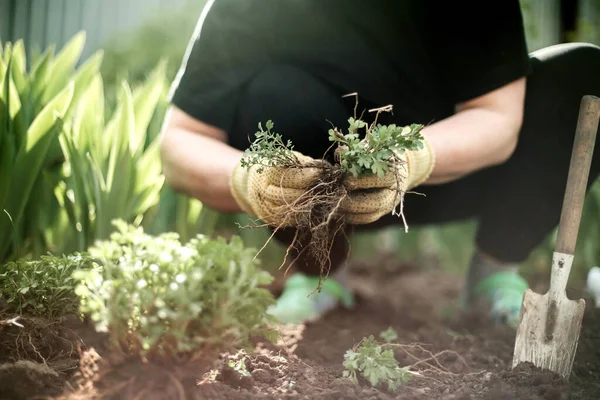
pixel 161 39
pixel 268 150
pixel 389 335
pixel 376 364
pixel 380 147
pixel 64 163
pixel 113 168
pixel 359 154
pixel 44 286
pixel 159 298
pixel 33 105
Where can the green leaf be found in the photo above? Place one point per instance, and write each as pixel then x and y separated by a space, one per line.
pixel 64 64
pixel 380 168
pixel 389 335
pixel 30 158
pixel 145 100
pixel 9 96
pixel 85 75
pixel 42 124
pixel 18 66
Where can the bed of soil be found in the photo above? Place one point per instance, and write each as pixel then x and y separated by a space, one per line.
pixel 457 356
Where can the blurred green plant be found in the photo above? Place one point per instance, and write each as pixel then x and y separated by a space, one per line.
pixel 161 39
pixel 112 170
pixel 33 105
pixel 159 298
pixel 68 165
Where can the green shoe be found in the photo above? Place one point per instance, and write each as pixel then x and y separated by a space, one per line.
pixel 504 291
pixel 295 306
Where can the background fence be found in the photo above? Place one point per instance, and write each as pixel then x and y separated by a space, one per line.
pixel 40 23
pixel 43 22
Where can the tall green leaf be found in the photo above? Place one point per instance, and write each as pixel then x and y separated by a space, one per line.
pixel 30 158
pixel 64 64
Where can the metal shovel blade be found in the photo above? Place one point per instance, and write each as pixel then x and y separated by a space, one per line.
pixel 550 325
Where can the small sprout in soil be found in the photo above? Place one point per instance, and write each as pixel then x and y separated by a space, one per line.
pixel 364 150
pixel 161 300
pixel 375 364
pixel 43 287
pixel 389 335
pixel 239 366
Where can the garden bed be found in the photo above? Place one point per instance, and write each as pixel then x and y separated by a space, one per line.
pixel 457 356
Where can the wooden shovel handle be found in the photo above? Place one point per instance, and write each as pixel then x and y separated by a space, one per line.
pixel 579 169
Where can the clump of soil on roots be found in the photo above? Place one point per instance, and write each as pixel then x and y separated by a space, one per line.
pixel 115 378
pixel 38 356
pixel 458 356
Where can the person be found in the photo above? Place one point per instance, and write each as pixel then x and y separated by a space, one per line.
pixel 498 120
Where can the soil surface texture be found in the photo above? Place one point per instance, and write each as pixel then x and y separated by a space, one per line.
pixel 456 356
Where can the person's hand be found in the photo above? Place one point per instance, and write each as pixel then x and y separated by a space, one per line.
pixel 269 194
pixel 371 197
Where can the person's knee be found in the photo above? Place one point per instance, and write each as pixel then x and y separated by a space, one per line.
pixel 583 55
pixel 569 59
pixel 299 105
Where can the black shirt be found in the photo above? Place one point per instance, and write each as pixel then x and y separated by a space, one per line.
pixel 422 56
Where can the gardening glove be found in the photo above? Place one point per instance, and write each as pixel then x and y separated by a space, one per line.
pixel 268 194
pixel 372 197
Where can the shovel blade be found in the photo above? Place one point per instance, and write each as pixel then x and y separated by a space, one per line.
pixel 548 332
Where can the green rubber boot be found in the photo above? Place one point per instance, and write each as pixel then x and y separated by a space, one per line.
pixel 295 306
pixel 504 293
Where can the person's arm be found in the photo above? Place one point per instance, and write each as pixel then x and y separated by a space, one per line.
pixel 483 133
pixel 197 161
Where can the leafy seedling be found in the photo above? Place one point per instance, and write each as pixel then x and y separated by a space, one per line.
pixel 376 364
pixel 389 335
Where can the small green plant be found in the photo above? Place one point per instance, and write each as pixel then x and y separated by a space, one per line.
pixel 239 366
pixel 161 299
pixel 269 150
pixel 389 335
pixel 381 146
pixel 43 287
pixel 376 364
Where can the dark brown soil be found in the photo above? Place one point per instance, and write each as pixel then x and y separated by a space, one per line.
pixel 457 356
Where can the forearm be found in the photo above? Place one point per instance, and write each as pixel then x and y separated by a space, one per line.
pixel 483 133
pixel 200 166
pixel 469 141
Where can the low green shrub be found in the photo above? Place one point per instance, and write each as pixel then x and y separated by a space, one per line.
pixel 43 287
pixel 161 299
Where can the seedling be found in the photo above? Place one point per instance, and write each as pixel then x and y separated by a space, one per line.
pixel 376 364
pixel 389 335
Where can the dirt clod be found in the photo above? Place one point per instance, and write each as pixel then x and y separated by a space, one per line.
pixel 20 379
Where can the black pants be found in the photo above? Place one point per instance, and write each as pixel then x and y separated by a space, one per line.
pixel 517 203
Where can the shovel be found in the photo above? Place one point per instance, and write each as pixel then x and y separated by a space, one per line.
pixel 550 324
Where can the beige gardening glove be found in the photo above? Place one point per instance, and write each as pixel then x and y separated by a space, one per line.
pixel 268 194
pixel 371 197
